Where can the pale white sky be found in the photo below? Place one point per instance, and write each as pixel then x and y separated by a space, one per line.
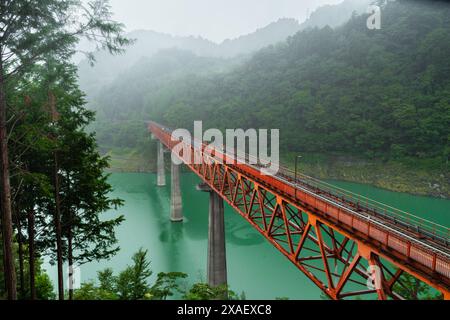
pixel 215 20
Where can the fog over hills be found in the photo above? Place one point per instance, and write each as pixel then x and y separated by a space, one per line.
pixel 360 94
pixel 148 43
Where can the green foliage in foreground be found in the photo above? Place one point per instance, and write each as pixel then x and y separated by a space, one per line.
pixel 43 284
pixel 203 291
pixel 133 284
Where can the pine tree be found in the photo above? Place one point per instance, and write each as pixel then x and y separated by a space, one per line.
pixel 29 32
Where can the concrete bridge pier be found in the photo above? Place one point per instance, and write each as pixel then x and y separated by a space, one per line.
pixel 217 260
pixel 176 213
pixel 161 173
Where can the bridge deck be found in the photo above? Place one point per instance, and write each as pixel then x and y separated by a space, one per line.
pixel 430 234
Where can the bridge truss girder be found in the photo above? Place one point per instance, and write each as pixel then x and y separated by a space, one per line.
pixel 339 265
pixel 341 251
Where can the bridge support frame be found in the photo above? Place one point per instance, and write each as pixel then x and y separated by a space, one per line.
pixel 176 207
pixel 161 173
pixel 217 261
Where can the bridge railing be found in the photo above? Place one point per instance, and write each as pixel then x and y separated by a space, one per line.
pixel 397 216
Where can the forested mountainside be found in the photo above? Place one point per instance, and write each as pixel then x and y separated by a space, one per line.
pixel 327 15
pixel 121 107
pixel 379 95
pixel 335 15
pixel 118 87
pixel 147 43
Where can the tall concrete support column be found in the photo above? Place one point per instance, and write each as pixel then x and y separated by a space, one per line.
pixel 217 258
pixel 161 179
pixel 176 213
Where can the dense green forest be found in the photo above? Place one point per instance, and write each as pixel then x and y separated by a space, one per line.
pixel 375 95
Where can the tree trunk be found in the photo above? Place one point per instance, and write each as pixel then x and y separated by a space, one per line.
pixel 31 254
pixel 21 257
pixel 70 258
pixel 58 230
pixel 5 190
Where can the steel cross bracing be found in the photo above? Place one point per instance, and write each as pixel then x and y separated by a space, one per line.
pixel 346 244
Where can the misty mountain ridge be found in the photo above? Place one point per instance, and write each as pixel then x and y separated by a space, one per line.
pixel 335 15
pixel 152 75
pixel 148 43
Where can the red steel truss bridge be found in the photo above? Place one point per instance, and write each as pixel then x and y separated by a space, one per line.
pixel 348 245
